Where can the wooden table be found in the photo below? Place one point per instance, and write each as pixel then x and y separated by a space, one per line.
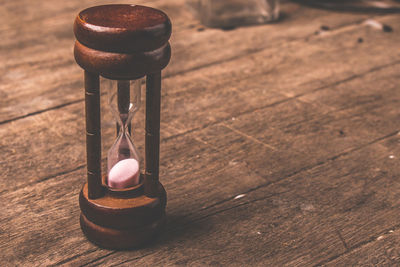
pixel 280 143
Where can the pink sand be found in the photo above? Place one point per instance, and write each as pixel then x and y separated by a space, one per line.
pixel 124 174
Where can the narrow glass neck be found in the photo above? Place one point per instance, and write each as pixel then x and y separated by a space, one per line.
pixel 124 101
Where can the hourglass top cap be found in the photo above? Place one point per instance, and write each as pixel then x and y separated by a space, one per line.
pixel 122 28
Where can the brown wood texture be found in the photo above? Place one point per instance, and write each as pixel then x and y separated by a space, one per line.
pixel 122 41
pixel 120 210
pixel 118 66
pixel 279 142
pixel 122 28
pixel 39 61
pixel 383 251
pixel 122 220
pixel 152 133
pixel 93 134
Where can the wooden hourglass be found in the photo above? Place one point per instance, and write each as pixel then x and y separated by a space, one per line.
pixel 124 207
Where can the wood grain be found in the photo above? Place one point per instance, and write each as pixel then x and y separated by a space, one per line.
pixel 194 160
pixel 52 190
pixel 152 135
pixel 382 252
pixel 28 63
pixel 93 135
pixel 283 151
pixel 195 97
pixel 295 215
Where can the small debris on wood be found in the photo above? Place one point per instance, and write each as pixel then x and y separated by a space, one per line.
pixel 341 132
pixel 379 237
pixel 233 163
pixel 325 28
pixel 239 196
pixel 391 157
pixel 387 28
pixel 360 40
pixel 377 25
pixel 307 207
pixel 200 29
pixel 322 29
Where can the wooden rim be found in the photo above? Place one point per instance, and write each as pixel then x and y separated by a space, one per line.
pixel 123 212
pixel 124 192
pixel 120 239
pixel 118 66
pixel 122 28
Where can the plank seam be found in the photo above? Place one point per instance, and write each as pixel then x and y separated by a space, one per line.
pixel 275 194
pixel 74 257
pixel 227 118
pixel 344 153
pixel 172 230
pixel 41 111
pixel 99 258
pixel 350 78
pixel 249 52
pixel 43 179
pixel 259 199
pixel 252 51
pixel 129 260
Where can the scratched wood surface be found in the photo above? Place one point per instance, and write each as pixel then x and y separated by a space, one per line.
pixel 280 142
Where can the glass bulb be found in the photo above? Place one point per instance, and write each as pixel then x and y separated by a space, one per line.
pixel 123 160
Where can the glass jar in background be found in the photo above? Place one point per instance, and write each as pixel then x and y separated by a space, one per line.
pixel 234 13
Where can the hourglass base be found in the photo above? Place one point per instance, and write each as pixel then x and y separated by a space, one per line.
pixel 120 239
pixel 122 222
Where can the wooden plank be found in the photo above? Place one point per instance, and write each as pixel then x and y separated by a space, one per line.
pixel 294 221
pixel 319 129
pixel 53 211
pixel 303 220
pixel 388 96
pixel 33 71
pixel 194 161
pixel 29 217
pixel 198 101
pixel 291 69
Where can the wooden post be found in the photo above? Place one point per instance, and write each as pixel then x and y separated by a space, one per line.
pixel 153 103
pixel 93 135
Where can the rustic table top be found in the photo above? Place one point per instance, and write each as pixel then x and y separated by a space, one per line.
pixel 280 142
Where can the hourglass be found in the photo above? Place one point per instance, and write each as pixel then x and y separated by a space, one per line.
pixel 123 158
pixel 124 206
